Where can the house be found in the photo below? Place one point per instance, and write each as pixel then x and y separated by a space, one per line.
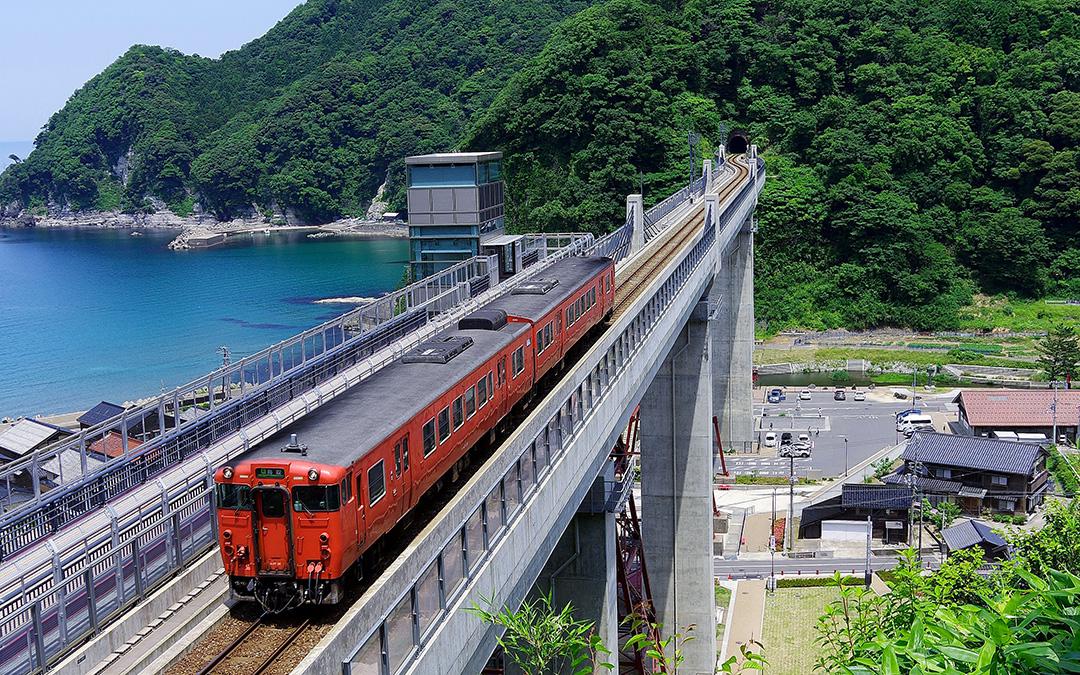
pixel 100 413
pixel 996 475
pixel 26 436
pixel 844 517
pixel 974 533
pixel 111 445
pixel 1031 411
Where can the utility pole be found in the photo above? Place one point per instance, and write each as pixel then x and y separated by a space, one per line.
pixel 845 454
pixel 772 545
pixel 869 529
pixel 226 355
pixel 791 505
pixel 1053 410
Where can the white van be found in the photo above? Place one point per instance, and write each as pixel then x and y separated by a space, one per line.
pixel 912 421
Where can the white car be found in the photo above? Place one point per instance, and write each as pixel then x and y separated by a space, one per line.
pixel 770 439
pixel 860 396
pixel 804 395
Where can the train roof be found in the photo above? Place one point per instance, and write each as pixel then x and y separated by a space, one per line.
pixel 529 300
pixel 356 422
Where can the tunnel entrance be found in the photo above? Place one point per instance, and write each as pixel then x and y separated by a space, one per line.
pixel 738 142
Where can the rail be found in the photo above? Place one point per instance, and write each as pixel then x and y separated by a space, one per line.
pixel 409 618
pixel 62 591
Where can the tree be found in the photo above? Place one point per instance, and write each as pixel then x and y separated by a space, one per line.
pixel 1059 352
pixel 14 158
pixel 943 514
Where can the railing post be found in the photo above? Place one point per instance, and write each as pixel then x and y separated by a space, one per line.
pixel 706 170
pixel 136 564
pixel 91 599
pixel 39 634
pixel 58 585
pixel 635 211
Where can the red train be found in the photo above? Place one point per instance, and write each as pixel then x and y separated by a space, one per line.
pixel 297 512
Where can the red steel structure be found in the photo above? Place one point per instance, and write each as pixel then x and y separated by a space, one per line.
pixel 297 513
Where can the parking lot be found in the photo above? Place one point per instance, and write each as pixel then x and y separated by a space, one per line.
pixel 867 426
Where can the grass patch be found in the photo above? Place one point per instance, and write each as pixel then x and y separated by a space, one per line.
pixel 722 597
pixel 1059 467
pixel 987 313
pixel 837 357
pixel 754 479
pixel 789 633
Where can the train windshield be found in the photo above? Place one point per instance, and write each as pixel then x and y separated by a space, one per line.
pixel 234 496
pixel 312 498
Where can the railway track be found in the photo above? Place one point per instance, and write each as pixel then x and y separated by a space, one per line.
pixel 251 652
pixel 263 641
pixel 630 285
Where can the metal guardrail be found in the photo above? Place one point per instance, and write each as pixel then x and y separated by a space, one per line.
pixel 232 396
pixel 65 593
pixel 389 647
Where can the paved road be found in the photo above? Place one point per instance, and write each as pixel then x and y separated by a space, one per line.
pixel 742 569
pixel 868 426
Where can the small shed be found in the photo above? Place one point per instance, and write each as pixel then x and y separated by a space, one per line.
pixel 975 533
pixel 101 412
pixel 26 436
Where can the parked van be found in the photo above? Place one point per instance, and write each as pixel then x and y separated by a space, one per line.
pixel 913 420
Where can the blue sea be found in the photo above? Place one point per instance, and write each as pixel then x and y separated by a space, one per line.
pixel 90 315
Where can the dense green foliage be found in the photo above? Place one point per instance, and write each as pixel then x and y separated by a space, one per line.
pixel 310 117
pixel 1020 619
pixel 919 151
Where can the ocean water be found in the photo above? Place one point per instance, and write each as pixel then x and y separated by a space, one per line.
pixel 90 315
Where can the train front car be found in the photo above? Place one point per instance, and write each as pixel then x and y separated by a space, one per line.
pixel 282 529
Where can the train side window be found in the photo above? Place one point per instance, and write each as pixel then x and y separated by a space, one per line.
pixel 548 334
pixel 569 317
pixel 397 458
pixel 481 391
pixel 491 386
pixel 592 297
pixel 405 452
pixel 459 413
pixel 540 341
pixel 502 371
pixel 429 437
pixel 345 494
pixel 444 424
pixel 470 402
pixel 376 483
pixel 517 361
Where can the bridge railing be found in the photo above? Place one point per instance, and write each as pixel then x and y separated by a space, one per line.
pixel 58 593
pixel 408 614
pixel 172 427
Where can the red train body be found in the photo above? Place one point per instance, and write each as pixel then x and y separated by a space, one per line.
pixel 297 512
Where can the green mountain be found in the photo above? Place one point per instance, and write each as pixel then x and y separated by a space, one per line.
pixel 919 152
pixel 309 117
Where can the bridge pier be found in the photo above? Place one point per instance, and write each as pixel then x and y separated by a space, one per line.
pixel 676 488
pixel 733 342
pixel 581 569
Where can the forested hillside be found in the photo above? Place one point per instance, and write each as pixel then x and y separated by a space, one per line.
pixel 919 152
pixel 309 117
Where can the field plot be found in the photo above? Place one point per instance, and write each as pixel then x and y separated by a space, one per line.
pixel 789 633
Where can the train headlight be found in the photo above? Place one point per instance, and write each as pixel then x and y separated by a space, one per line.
pixel 227 534
pixel 313 474
pixel 227 472
pixel 324 537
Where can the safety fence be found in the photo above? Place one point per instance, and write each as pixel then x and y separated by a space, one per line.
pixel 60 594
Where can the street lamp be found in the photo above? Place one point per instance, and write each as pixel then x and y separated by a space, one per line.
pixel 845 454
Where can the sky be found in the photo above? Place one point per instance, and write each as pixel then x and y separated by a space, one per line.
pixel 49 48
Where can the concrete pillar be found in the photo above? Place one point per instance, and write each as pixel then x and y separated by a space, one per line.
pixel 721 152
pixel 635 205
pixel 676 488
pixel 706 170
pixel 581 569
pixel 733 342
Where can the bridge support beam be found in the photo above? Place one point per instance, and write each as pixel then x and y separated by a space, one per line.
pixel 676 487
pixel 733 342
pixel 581 569
pixel 635 206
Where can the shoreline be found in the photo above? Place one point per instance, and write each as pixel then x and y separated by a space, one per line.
pixel 112 220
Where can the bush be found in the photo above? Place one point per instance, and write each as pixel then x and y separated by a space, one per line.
pixel 809 582
pixel 1019 519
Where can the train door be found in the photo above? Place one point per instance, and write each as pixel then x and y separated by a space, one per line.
pixel 349 518
pixel 273 531
pixel 402 476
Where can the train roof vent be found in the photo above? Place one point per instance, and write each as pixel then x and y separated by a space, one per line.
pixel 483 319
pixel 535 287
pixel 438 349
